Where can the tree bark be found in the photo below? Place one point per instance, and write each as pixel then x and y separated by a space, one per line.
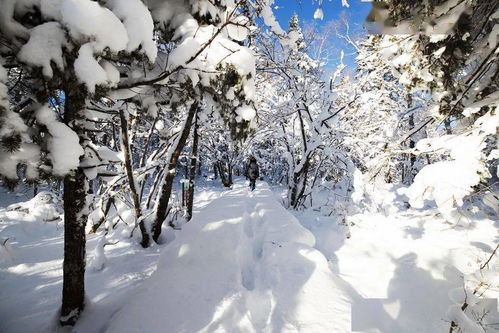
pixel 142 162
pixel 166 189
pixel 225 171
pixel 410 172
pixel 299 185
pixel 75 218
pixel 157 180
pixel 297 188
pixel 192 171
pixel 131 180
pixel 215 170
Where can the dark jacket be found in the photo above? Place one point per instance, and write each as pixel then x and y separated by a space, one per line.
pixel 253 171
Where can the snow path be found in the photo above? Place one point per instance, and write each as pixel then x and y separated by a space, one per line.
pixel 243 264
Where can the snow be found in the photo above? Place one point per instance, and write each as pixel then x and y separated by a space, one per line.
pixel 491 100
pixel 464 322
pixel 259 272
pixel 439 52
pixel 357 250
pixel 201 51
pixel 112 73
pixel 86 19
pixel 99 257
pixel 44 46
pixel 12 124
pixel 50 9
pixel 246 112
pixel 3 76
pixel 139 25
pixel 244 263
pixel 445 17
pixel 399 269
pixel 319 14
pixel 270 20
pixel 8 25
pixel 63 143
pixel 127 26
pixel 449 182
pixel 88 69
pixel 238 28
pixel 13 121
pixel 32 280
pixel 28 154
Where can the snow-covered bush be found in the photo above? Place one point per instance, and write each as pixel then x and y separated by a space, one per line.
pixel 456 60
pixel 45 206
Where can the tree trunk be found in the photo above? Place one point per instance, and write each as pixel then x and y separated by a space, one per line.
pixel 73 289
pixel 157 180
pixel 199 166
pixel 131 180
pixel 412 157
pixel 142 162
pixel 192 171
pixel 215 170
pixel 409 172
pixel 75 218
pixel 299 185
pixel 297 188
pixel 166 189
pixel 225 171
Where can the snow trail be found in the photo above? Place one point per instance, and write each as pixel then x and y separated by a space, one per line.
pixel 243 264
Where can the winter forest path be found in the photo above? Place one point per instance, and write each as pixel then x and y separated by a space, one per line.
pixel 246 264
pixel 243 264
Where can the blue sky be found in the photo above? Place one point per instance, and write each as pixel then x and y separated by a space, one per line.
pixel 331 8
pixel 356 13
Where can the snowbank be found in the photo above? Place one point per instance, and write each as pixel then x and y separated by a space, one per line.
pixel 399 268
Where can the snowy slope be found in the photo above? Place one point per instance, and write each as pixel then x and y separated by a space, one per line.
pixel 243 264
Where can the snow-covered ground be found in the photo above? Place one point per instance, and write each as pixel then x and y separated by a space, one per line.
pixel 398 270
pixel 31 268
pixel 246 264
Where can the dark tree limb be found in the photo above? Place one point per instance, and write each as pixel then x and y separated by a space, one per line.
pixel 131 180
pixel 192 171
pixel 166 189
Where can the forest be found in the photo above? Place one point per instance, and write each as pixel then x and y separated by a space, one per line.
pixel 249 166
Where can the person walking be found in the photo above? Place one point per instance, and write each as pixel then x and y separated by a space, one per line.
pixel 252 172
